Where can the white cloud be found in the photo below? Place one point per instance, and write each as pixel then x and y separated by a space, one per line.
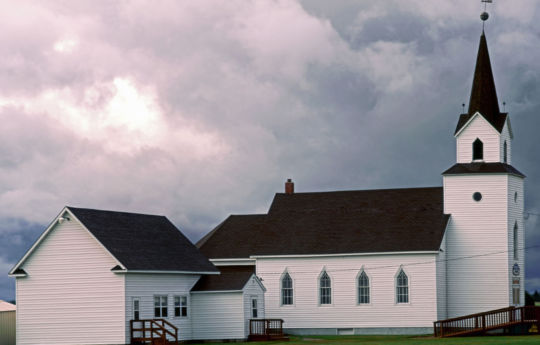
pixel 66 45
pixel 199 109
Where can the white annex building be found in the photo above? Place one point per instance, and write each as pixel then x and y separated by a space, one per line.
pixel 345 262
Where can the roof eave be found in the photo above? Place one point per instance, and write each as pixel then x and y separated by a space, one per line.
pixel 466 124
pixel 47 231
pixel 344 254
pixel 124 271
pixel 218 291
pixel 257 280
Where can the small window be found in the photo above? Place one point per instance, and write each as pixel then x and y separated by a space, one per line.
pixel 160 306
pixel 402 287
pixel 180 306
pixel 515 196
pixel 478 150
pixel 505 152
pixel 136 308
pixel 516 249
pixel 477 196
pixel 254 309
pixel 286 289
pixel 325 287
pixel 516 294
pixel 363 288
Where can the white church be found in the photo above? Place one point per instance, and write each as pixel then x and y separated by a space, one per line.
pixel 346 262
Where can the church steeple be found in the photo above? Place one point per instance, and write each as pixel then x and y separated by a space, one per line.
pixel 483 94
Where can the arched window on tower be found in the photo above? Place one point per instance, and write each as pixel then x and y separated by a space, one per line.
pixel 516 249
pixel 286 289
pixel 478 150
pixel 505 152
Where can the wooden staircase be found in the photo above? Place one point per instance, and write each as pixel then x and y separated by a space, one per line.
pixel 152 332
pixel 511 318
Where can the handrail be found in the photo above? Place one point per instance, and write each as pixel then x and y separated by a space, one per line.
pixel 477 314
pixel 164 329
pixel 486 321
pixel 156 330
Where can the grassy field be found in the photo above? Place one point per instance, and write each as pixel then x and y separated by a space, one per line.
pixel 405 340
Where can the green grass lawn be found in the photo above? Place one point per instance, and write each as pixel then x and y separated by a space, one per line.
pixel 406 340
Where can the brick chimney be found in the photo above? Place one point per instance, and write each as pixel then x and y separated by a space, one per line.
pixel 289 186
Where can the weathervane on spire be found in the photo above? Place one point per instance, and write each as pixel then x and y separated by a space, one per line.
pixel 484 16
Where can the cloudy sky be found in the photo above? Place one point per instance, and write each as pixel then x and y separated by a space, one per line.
pixel 199 109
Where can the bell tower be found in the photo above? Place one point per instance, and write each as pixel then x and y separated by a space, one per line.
pixel 483 193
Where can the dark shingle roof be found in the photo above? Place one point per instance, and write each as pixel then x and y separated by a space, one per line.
pixel 143 242
pixel 334 223
pixel 482 168
pixel 483 93
pixel 232 278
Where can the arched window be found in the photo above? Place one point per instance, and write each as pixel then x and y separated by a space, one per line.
pixel 363 288
pixel 478 150
pixel 402 287
pixel 325 289
pixel 286 289
pixel 505 152
pixel 516 241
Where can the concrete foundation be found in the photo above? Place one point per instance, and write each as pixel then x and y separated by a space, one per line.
pixel 360 331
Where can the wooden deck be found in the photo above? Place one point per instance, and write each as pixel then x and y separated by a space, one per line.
pixel 266 329
pixel 481 323
pixel 153 332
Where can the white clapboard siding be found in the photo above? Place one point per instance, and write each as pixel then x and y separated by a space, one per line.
pixel 344 312
pixel 217 315
pixel 441 282
pixel 515 215
pixel 70 295
pixel 476 242
pixel 480 128
pixel 146 286
pixel 505 137
pixel 252 290
pixel 7 327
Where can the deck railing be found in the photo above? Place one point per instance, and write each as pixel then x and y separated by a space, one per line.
pixel 152 331
pixel 265 329
pixel 483 322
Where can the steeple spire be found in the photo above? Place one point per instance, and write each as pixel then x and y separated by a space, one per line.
pixel 483 94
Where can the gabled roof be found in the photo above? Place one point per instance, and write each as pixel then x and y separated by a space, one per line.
pixel 483 93
pixel 5 306
pixel 482 168
pixel 138 242
pixel 368 221
pixel 143 242
pixel 497 122
pixel 232 278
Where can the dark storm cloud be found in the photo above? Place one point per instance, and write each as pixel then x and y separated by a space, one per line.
pixel 199 109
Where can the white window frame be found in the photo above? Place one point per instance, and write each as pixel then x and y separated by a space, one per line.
pixel 319 287
pixel 161 307
pixel 285 274
pixel 254 307
pixel 396 286
pixel 180 307
pixel 358 287
pixel 138 309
